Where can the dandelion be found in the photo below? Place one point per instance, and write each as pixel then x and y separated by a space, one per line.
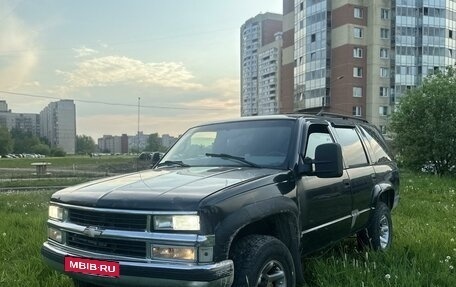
pixel 452 239
pixel 387 276
pixel 451 267
pixel 448 257
pixel 4 234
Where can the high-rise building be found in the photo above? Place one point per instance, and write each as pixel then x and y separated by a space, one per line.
pixel 424 41
pixel 26 122
pixel 357 57
pixel 287 69
pixel 352 57
pixel 3 106
pixel 58 125
pixel 257 36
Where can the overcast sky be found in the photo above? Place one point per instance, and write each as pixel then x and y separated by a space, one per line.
pixel 172 54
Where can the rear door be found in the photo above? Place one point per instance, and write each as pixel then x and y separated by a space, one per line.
pixel 361 174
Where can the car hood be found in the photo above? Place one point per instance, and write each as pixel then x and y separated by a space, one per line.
pixel 169 189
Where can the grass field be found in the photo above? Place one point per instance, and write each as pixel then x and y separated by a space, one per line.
pixel 423 252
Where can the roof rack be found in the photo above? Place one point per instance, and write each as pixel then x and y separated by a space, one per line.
pixel 341 116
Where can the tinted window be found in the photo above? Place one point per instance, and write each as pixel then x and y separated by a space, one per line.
pixel 265 143
pixel 352 148
pixel 317 135
pixel 377 144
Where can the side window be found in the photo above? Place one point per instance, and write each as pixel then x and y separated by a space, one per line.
pixel 378 146
pixel 317 135
pixel 352 148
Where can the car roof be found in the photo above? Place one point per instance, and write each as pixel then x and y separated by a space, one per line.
pixel 335 119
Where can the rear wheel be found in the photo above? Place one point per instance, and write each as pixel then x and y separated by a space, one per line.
pixel 262 261
pixel 379 234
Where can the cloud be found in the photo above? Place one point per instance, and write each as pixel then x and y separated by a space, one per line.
pixel 118 70
pixel 223 94
pixel 17 42
pixel 84 52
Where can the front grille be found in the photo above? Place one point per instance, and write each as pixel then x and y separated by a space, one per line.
pixel 107 245
pixel 108 220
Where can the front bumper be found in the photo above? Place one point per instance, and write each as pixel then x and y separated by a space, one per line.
pixel 151 274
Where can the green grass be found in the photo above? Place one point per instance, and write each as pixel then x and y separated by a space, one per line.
pixel 424 243
pixel 22 231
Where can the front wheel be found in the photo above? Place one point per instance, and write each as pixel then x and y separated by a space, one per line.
pixel 262 261
pixel 379 234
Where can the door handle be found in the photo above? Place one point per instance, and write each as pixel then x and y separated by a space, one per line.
pixel 346 183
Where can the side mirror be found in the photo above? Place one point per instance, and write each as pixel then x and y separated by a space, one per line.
pixel 156 157
pixel 328 160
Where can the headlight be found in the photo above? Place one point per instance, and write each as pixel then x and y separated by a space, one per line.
pixel 55 212
pixel 177 222
pixel 174 252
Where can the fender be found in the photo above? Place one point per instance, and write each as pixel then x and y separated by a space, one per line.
pixel 256 211
pixel 232 224
pixel 381 188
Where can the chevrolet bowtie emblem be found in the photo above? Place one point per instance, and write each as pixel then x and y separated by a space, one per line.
pixel 92 231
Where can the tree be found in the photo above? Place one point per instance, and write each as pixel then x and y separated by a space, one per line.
pixel 154 143
pixel 6 142
pixel 57 152
pixel 41 149
pixel 85 144
pixel 23 141
pixel 424 124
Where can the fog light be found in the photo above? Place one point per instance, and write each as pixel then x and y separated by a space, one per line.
pixel 55 234
pixel 174 252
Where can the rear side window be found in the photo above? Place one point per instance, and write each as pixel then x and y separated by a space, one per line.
pixel 352 148
pixel 377 144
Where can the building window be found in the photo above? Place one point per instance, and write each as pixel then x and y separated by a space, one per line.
pixel 357 52
pixel 313 37
pixel 383 110
pixel 357 72
pixel 357 111
pixel 301 24
pixel 384 33
pixel 384 53
pixel 357 92
pixel 301 6
pixel 384 72
pixel 450 34
pixel 382 129
pixel 384 14
pixel 357 32
pixel 358 12
pixel 384 92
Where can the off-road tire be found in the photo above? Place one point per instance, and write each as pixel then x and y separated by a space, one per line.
pixel 257 257
pixel 379 233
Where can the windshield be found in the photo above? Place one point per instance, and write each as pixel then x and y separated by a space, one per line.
pixel 250 143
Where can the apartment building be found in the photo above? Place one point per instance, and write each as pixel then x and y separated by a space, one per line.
pixel 257 36
pixel 58 125
pixel 359 57
pixel 27 122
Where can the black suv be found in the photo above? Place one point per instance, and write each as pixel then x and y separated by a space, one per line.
pixel 233 203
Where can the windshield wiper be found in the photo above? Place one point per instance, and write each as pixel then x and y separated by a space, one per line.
pixel 173 162
pixel 229 156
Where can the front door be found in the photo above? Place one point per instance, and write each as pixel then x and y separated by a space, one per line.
pixel 325 203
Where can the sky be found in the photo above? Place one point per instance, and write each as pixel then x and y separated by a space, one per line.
pixel 180 57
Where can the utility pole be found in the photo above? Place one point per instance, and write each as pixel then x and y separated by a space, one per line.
pixel 139 109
